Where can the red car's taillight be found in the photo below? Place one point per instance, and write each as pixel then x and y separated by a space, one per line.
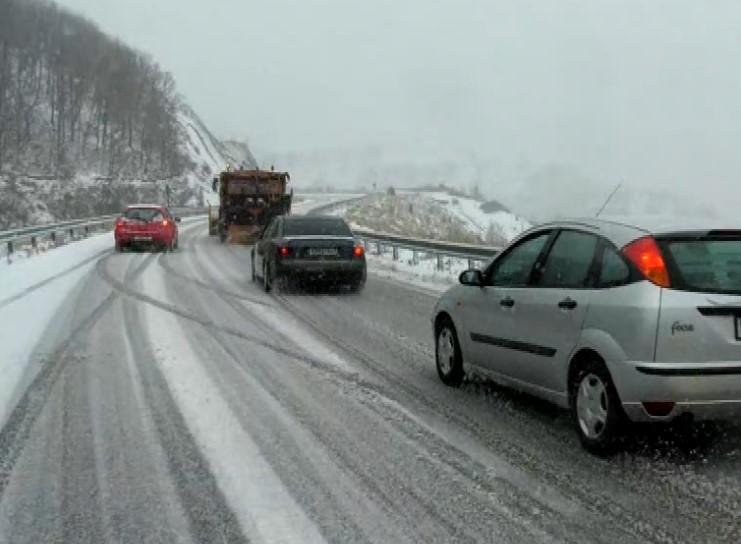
pixel 119 224
pixel 165 223
pixel 645 254
pixel 358 251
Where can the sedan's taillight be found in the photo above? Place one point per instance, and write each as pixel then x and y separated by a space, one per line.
pixel 284 251
pixel 645 254
pixel 119 224
pixel 165 223
pixel 358 251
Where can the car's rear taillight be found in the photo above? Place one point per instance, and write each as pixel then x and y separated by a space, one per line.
pixel 645 254
pixel 358 251
pixel 165 223
pixel 119 224
pixel 284 251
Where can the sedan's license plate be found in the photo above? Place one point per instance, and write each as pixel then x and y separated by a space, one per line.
pixel 323 252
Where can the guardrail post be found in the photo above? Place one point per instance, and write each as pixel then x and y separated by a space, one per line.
pixel 10 247
pixel 379 248
pixel 415 257
pixel 71 234
pixel 470 263
pixel 440 261
pixel 34 243
pixel 53 237
pixel 87 231
pixel 395 251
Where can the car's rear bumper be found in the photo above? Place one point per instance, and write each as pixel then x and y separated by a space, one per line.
pixel 355 269
pixel 142 238
pixel 705 391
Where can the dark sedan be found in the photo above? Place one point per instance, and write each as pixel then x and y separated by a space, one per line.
pixel 316 249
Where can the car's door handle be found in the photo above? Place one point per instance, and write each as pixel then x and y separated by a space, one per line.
pixel 567 304
pixel 507 302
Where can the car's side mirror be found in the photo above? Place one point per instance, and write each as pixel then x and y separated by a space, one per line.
pixel 472 277
pixel 177 220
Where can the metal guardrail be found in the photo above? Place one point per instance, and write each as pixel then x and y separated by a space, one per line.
pixel 440 250
pixel 10 240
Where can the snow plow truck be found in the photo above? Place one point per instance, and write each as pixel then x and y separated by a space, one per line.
pixel 249 199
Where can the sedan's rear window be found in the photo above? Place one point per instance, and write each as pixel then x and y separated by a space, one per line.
pixel 316 227
pixel 708 264
pixel 143 214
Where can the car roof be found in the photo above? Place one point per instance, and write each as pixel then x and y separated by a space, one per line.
pixel 144 206
pixel 622 230
pixel 313 217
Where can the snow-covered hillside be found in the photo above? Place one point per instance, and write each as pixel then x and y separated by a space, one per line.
pixel 209 155
pixel 435 215
pixel 494 224
pixel 34 198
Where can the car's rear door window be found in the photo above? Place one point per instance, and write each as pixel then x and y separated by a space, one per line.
pixel 570 261
pixel 316 227
pixel 614 271
pixel 708 264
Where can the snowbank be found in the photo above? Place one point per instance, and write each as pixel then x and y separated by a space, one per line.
pixel 31 293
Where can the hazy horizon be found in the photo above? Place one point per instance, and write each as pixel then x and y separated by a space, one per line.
pixel 631 90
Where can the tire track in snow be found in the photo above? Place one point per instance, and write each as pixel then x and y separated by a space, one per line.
pixel 20 423
pixel 210 517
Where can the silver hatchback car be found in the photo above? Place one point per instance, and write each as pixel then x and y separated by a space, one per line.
pixel 615 321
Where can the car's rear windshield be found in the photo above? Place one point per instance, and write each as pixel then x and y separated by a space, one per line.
pixel 708 264
pixel 316 227
pixel 143 214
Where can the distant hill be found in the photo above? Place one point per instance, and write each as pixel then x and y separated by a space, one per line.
pixel 436 215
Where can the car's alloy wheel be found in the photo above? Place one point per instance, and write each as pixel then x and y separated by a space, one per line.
pixel 592 405
pixel 448 355
pixel 596 408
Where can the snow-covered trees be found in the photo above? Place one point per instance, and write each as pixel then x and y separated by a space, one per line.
pixel 70 96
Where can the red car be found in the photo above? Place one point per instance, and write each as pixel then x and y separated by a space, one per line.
pixel 147 225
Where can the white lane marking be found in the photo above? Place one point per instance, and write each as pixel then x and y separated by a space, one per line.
pixel 264 507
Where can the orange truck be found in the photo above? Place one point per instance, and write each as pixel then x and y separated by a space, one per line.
pixel 249 199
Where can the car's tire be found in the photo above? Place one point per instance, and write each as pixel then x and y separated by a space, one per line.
pixel 356 286
pixel 448 357
pixel 252 265
pixel 266 279
pixel 596 408
pixel 119 248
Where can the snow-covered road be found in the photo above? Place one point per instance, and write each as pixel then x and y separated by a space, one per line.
pixel 171 400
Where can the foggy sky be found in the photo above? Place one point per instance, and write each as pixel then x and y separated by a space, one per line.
pixel 643 90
